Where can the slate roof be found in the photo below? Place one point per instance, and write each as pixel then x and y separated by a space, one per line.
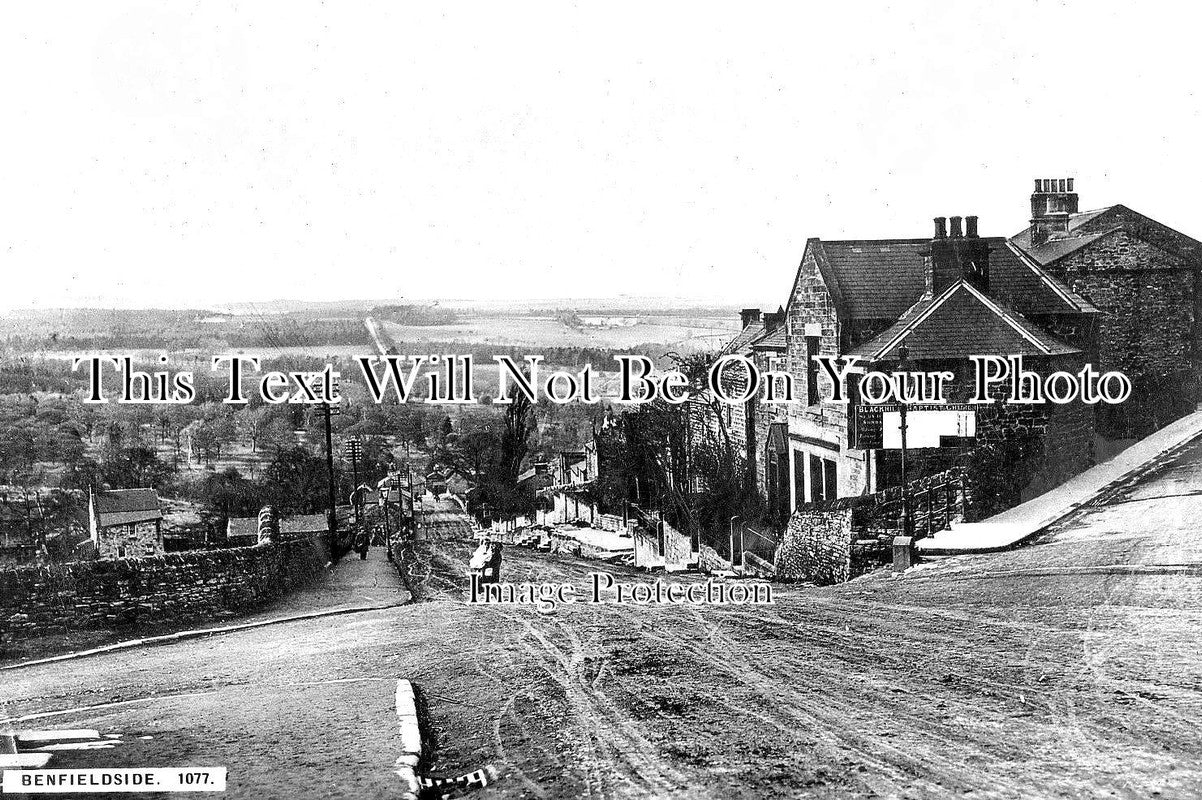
pixel 248 527
pixel 304 523
pixel 878 278
pixel 770 340
pixel 1060 247
pixel 882 278
pixel 743 338
pixel 127 506
pixel 242 528
pixel 1075 221
pixel 1023 284
pixel 959 323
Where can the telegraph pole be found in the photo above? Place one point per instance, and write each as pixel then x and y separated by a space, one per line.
pixel 328 410
pixel 332 496
pixel 903 354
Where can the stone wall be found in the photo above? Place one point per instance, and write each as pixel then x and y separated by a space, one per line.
pixel 114 593
pixel 838 540
pixel 709 560
pixel 676 551
pixel 612 522
pixel 678 547
pixel 816 546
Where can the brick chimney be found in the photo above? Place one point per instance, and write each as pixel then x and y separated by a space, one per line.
pixel 775 319
pixel 975 258
pixel 958 256
pixel 1051 204
pixel 748 316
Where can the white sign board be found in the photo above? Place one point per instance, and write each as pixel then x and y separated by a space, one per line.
pixel 924 428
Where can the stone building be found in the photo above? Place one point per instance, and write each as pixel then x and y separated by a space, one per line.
pixel 1145 277
pixel 944 298
pixel 126 523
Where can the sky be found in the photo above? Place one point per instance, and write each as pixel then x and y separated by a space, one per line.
pixel 191 154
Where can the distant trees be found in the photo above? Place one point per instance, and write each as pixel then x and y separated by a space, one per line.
pixel 135 467
pixel 33 432
pixel 228 494
pixel 295 482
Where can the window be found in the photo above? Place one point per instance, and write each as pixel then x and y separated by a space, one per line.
pixel 824 479
pixel 799 478
pixel 830 479
pixel 811 370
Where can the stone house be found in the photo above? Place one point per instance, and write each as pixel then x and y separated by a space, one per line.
pixel 1145 277
pixel 945 298
pixel 126 523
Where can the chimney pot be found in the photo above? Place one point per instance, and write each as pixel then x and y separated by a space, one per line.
pixel 970 227
pixel 940 227
pixel 956 231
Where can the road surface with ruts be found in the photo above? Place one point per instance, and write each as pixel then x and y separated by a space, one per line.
pixel 1069 668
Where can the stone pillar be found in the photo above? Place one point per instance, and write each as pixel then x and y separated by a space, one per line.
pixel 903 553
pixel 269 526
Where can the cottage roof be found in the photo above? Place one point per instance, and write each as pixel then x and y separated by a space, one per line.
pixel 770 340
pixel 127 506
pixel 1086 227
pixel 882 278
pixel 960 323
pixel 1075 223
pixel 743 338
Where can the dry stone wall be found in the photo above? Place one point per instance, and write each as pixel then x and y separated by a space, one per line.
pixel 113 593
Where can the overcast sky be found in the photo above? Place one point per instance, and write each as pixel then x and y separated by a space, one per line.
pixel 191 154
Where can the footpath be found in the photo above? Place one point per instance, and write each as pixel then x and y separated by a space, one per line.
pixel 1015 526
pixel 350 586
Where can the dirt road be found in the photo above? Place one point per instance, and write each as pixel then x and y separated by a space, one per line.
pixel 1070 668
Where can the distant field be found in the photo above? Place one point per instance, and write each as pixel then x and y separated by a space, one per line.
pixel 193 337
pixel 546 331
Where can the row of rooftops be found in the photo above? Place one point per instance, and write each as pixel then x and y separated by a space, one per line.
pixel 888 281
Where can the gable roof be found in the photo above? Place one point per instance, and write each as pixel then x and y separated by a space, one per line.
pixel 959 323
pixel 126 506
pixel 882 278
